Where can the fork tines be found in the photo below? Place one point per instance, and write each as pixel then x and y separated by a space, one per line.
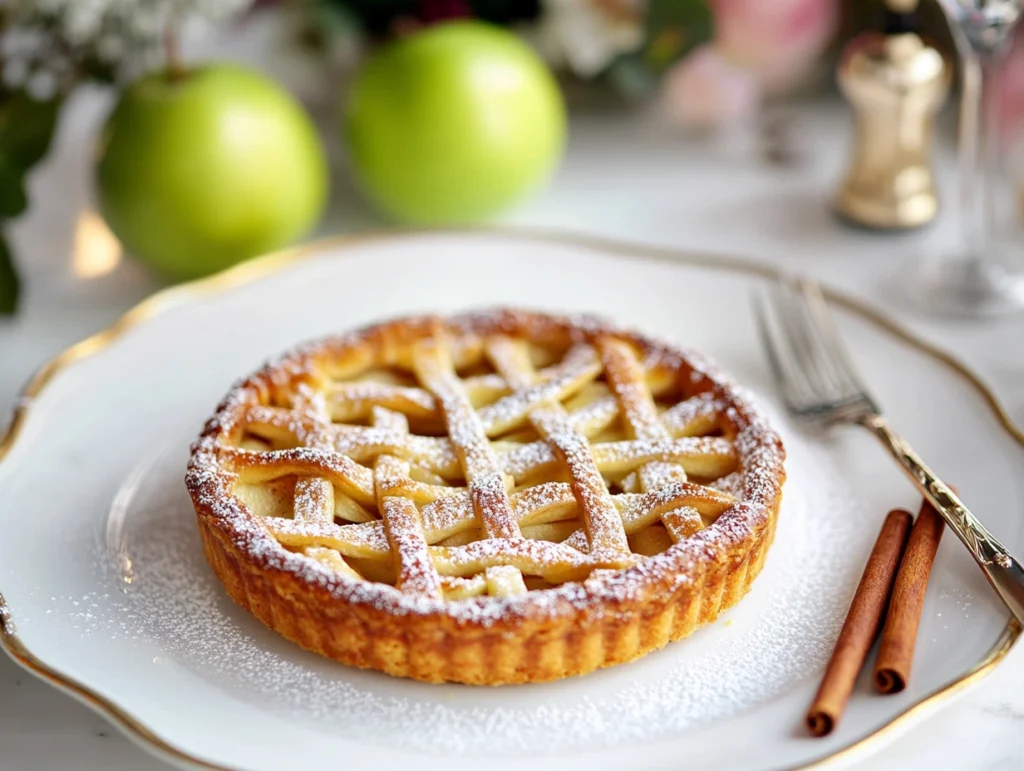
pixel 807 356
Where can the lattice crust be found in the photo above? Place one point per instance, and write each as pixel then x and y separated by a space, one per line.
pixel 506 455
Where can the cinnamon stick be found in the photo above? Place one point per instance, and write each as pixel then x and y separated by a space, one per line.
pixel 896 653
pixel 863 621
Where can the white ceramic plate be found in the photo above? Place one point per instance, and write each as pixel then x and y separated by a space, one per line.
pixel 108 596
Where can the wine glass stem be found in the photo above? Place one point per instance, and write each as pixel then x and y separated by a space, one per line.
pixel 979 153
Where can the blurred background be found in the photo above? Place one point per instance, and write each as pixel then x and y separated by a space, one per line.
pixel 146 142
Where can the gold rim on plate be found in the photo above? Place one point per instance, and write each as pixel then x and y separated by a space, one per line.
pixel 272 263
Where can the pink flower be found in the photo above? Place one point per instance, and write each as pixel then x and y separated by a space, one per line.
pixel 1010 88
pixel 776 40
pixel 705 91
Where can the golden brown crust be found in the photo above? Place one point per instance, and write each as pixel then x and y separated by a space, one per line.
pixel 610 618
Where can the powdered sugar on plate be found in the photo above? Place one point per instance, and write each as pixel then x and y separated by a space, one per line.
pixel 165 593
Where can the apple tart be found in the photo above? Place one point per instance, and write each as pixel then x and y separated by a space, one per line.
pixel 491 498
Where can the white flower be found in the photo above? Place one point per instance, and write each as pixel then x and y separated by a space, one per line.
pixel 15 73
pixel 586 35
pixel 54 38
pixel 109 47
pixel 42 86
pixel 81 21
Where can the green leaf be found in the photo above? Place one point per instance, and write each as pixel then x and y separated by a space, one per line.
pixel 630 77
pixel 26 128
pixel 330 19
pixel 674 28
pixel 10 286
pixel 13 200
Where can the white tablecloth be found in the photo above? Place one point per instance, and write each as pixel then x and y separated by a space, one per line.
pixel 622 178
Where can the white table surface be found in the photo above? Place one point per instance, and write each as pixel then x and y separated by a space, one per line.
pixel 621 178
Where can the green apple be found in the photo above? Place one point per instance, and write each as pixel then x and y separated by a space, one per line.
pixel 452 124
pixel 203 169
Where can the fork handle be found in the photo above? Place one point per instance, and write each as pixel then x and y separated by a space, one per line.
pixel 1002 570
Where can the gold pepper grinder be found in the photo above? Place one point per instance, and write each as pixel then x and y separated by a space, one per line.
pixel 896 83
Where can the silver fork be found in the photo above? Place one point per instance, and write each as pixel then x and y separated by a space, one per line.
pixel 819 384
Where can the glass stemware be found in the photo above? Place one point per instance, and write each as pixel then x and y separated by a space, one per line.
pixel 974 280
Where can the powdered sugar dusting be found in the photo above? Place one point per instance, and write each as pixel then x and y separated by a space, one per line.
pixel 778 635
pixel 434 351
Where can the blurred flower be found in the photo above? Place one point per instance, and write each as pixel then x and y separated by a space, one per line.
pixel 387 18
pixel 1010 89
pixel 778 41
pixel 432 11
pixel 586 35
pixel 47 44
pixel 705 91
